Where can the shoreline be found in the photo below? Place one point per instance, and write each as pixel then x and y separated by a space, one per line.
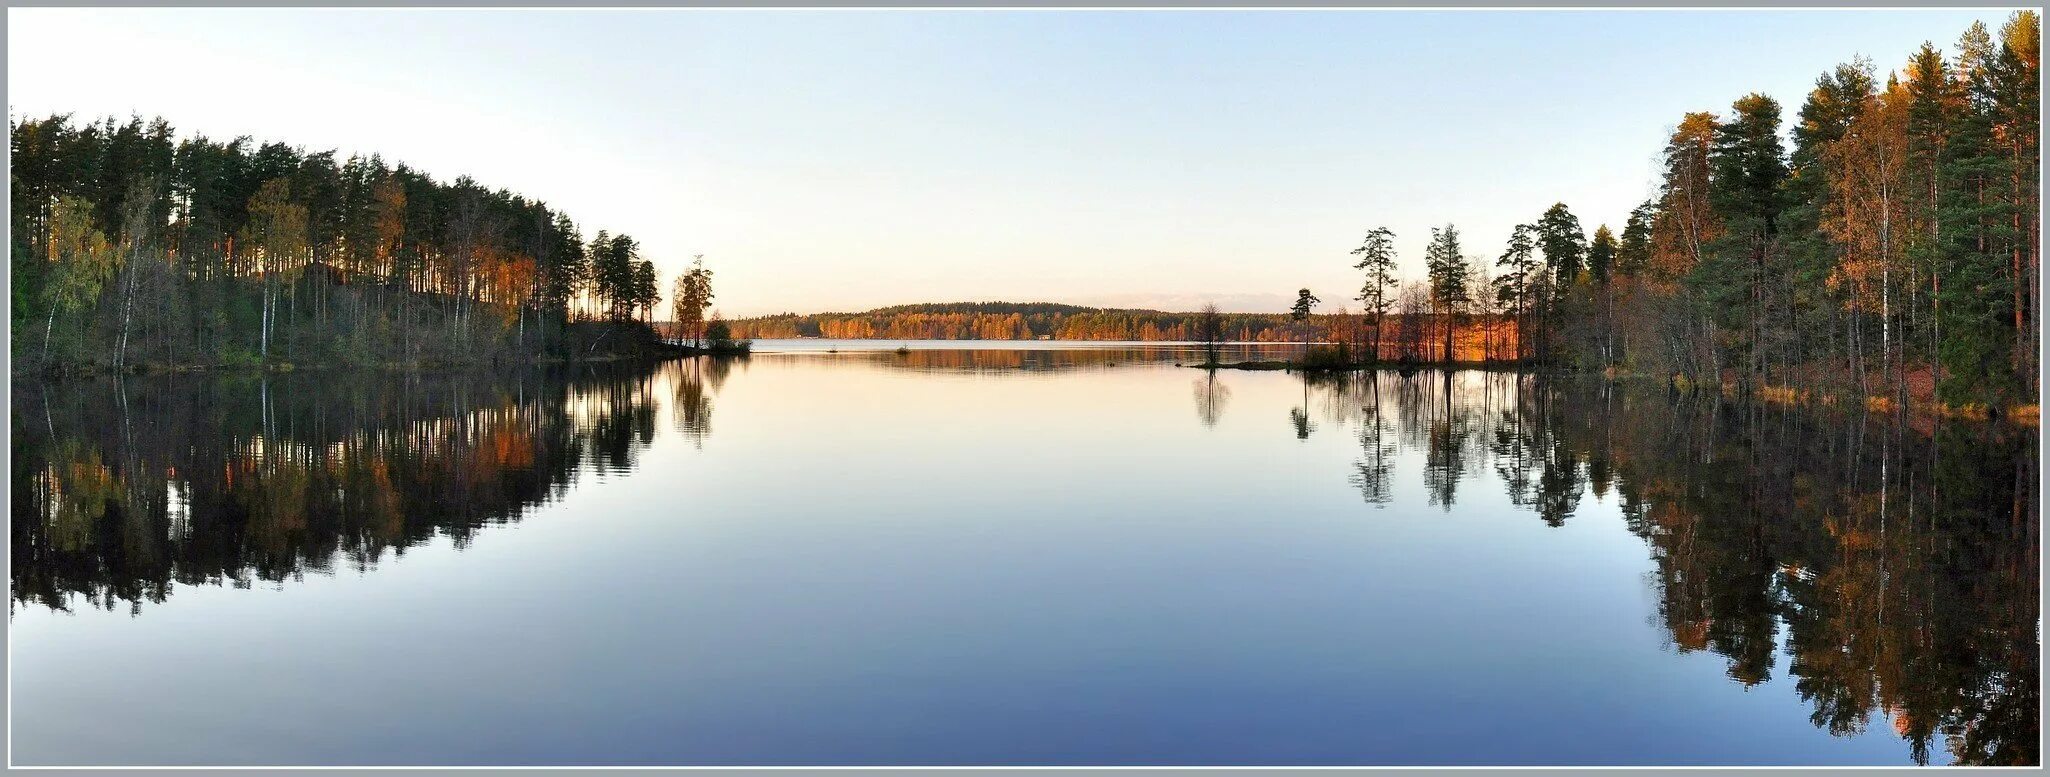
pixel 2018 414
pixel 1276 364
pixel 663 353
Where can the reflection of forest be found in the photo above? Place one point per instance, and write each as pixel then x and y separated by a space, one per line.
pixel 123 488
pixel 1896 566
pixel 1035 360
pixel 1892 567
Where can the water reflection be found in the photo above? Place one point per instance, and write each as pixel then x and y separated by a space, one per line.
pixel 929 356
pixel 1211 397
pixel 1884 575
pixel 695 381
pixel 123 488
pixel 1377 446
pixel 1894 565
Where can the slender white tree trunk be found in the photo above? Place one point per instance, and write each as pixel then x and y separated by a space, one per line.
pixel 49 324
pixel 127 311
pixel 263 338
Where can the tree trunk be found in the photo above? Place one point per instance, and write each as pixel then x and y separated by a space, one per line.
pixel 1448 338
pixel 127 311
pixel 48 324
pixel 269 301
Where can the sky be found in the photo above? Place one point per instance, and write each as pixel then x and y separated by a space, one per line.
pixel 842 160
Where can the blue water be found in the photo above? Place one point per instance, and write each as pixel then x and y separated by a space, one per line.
pixel 997 557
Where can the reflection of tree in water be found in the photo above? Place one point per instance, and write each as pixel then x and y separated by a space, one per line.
pixel 1300 420
pixel 1445 422
pixel 692 407
pixel 1299 417
pixel 123 488
pixel 1430 410
pixel 1894 564
pixel 1010 360
pixel 1558 485
pixel 1377 448
pixel 1211 397
pixel 1442 461
pixel 1901 563
pixel 624 424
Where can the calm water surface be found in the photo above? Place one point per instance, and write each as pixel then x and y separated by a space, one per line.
pixel 1044 554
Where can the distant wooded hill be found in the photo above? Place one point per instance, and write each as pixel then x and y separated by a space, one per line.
pixel 1012 321
pixel 1479 336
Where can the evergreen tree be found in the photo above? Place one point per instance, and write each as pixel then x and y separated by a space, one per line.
pixel 645 293
pixel 1745 189
pixel 1448 271
pixel 1563 242
pixel 1377 259
pixel 1633 252
pixel 1300 311
pixel 1520 283
pixel 1835 104
pixel 1601 255
pixel 1601 261
pixel 1565 248
pixel 2015 87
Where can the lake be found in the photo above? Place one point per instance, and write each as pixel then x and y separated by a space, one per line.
pixel 1007 553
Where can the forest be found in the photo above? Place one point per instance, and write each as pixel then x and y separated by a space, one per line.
pixel 134 248
pixel 1891 253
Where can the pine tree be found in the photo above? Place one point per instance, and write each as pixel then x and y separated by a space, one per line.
pixel 1300 311
pixel 1979 339
pixel 2014 84
pixel 1563 243
pixel 1447 268
pixel 1749 169
pixel 1601 255
pixel 1633 252
pixel 1377 259
pixel 1601 261
pixel 1518 286
pixel 1565 249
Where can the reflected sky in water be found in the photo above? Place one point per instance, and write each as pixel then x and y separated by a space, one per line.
pixel 1006 556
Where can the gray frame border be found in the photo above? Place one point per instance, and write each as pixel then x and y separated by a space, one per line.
pixel 2043 476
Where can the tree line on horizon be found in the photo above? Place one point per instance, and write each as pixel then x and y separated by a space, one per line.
pixel 133 247
pixel 1014 321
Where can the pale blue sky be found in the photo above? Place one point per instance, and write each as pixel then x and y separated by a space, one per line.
pixel 843 160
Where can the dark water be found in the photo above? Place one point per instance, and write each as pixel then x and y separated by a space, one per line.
pixel 1002 556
